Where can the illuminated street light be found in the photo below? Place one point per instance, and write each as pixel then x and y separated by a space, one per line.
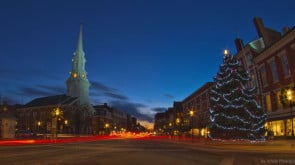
pixel 177 121
pixel 290 98
pixel 191 113
pixel 56 113
pixel 39 124
pixel 289 94
pixel 106 126
pixel 177 127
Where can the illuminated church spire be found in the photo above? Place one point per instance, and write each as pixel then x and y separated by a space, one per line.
pixel 77 83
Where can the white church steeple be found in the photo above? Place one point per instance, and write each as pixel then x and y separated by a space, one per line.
pixel 77 83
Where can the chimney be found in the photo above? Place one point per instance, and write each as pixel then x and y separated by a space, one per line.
pixel 239 44
pixel 259 26
pixel 285 30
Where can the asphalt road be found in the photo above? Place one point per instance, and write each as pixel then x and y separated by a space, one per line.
pixel 132 152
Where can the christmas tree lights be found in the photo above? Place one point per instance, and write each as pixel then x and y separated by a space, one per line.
pixel 234 112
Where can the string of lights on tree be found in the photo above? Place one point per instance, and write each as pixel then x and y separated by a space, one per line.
pixel 234 112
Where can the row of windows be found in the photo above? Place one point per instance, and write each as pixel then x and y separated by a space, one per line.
pixel 274 70
pixel 281 127
pixel 197 102
pixel 269 106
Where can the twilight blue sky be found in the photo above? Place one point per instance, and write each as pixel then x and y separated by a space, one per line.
pixel 141 54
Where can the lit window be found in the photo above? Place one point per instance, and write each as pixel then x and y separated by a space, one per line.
pixel 278 127
pixel 274 71
pixel 285 65
pixel 268 103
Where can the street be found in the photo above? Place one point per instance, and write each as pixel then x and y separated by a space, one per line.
pixel 132 151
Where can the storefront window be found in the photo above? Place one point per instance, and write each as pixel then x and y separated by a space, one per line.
pixel 277 127
pixel 289 127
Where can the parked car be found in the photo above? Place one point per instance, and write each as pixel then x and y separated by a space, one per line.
pixel 24 134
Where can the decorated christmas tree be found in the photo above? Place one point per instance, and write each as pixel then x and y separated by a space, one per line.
pixel 234 112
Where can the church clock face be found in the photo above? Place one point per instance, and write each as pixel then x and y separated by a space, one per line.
pixel 83 76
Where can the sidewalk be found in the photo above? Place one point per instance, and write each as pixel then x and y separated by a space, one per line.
pixel 268 146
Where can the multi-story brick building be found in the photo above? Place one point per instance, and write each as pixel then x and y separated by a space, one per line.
pixel 38 115
pixel 107 119
pixel 196 110
pixel 270 60
pixel 189 115
pixel 169 122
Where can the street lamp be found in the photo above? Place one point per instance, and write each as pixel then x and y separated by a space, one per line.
pixel 106 126
pixel 191 113
pixel 177 127
pixel 170 129
pixel 39 124
pixel 289 98
pixel 66 122
pixel 56 113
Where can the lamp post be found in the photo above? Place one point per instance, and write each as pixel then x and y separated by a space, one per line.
pixel 106 126
pixel 56 113
pixel 39 124
pixel 66 122
pixel 170 129
pixel 191 113
pixel 289 98
pixel 177 121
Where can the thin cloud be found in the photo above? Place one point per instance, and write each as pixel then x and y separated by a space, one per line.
pixel 120 102
pixel 168 96
pixel 132 109
pixel 40 91
pixel 102 90
pixel 148 100
pixel 28 91
pixel 159 109
pixel 115 96
pixel 53 89
pixel 100 87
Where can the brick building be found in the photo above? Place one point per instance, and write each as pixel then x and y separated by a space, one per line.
pixel 271 62
pixel 196 110
pixel 178 120
pixel 107 119
pixel 38 115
